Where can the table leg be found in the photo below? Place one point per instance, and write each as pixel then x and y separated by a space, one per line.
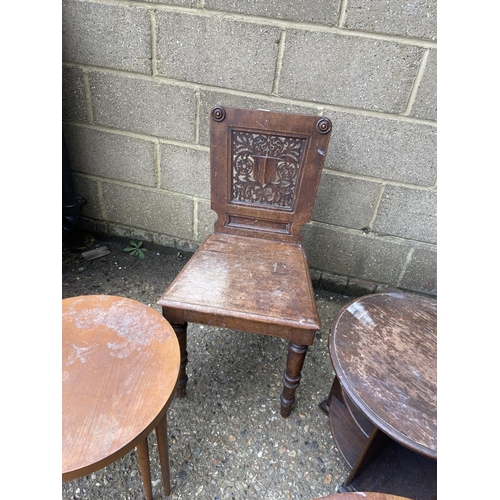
pixel 143 455
pixel 162 439
pixel 376 442
pixel 335 392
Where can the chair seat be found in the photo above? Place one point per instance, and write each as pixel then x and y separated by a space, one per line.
pixel 247 284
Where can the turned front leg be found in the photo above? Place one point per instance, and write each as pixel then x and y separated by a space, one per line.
pixel 180 330
pixel 291 379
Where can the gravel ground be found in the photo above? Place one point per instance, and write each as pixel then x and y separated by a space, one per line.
pixel 227 439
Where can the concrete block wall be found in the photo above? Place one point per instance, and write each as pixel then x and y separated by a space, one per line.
pixel 139 80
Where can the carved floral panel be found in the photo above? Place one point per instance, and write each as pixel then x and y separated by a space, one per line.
pixel 265 168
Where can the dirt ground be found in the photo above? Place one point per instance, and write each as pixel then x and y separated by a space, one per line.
pixel 119 272
pixel 227 439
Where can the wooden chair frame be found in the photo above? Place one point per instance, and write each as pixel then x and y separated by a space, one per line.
pixel 252 274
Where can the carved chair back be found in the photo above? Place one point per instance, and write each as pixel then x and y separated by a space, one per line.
pixel 265 170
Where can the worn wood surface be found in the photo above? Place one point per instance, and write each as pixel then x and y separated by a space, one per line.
pixel 96 253
pixel 349 438
pixel 248 284
pixel 120 363
pixel 265 171
pixel 359 495
pixel 383 350
pixel 252 273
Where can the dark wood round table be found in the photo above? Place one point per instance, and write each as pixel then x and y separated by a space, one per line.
pixel 363 496
pixel 120 364
pixel 383 351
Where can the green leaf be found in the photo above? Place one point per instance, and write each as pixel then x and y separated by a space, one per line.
pixel 135 249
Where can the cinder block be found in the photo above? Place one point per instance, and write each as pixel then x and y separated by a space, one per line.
pixel 386 289
pixel 358 288
pixel 206 220
pixel 88 189
pixel 410 19
pixel 113 36
pixel 408 213
pixel 345 201
pixel 425 105
pixel 216 51
pixel 348 70
pixel 333 283
pixel 319 11
pixel 74 103
pixel 92 226
pixel 209 99
pixel 123 232
pixel 421 273
pixel 141 235
pixel 365 257
pixel 148 209
pixel 111 155
pixel 315 276
pixel 185 170
pixel 382 148
pixel 186 246
pixel 165 240
pixel 143 106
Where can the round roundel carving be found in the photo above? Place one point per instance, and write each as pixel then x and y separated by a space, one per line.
pixel 218 113
pixel 324 125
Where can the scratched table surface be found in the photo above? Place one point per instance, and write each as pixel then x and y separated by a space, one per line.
pixel 383 348
pixel 120 362
pixel 361 495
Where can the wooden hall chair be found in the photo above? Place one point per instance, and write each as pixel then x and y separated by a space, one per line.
pixel 252 274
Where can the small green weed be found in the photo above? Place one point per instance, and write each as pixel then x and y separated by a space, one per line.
pixel 135 249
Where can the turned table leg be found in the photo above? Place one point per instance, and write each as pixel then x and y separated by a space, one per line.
pixel 291 378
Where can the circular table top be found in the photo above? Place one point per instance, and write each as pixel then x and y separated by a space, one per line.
pixel 383 350
pixel 120 363
pixel 360 495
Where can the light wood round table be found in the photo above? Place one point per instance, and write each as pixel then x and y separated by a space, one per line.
pixel 120 364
